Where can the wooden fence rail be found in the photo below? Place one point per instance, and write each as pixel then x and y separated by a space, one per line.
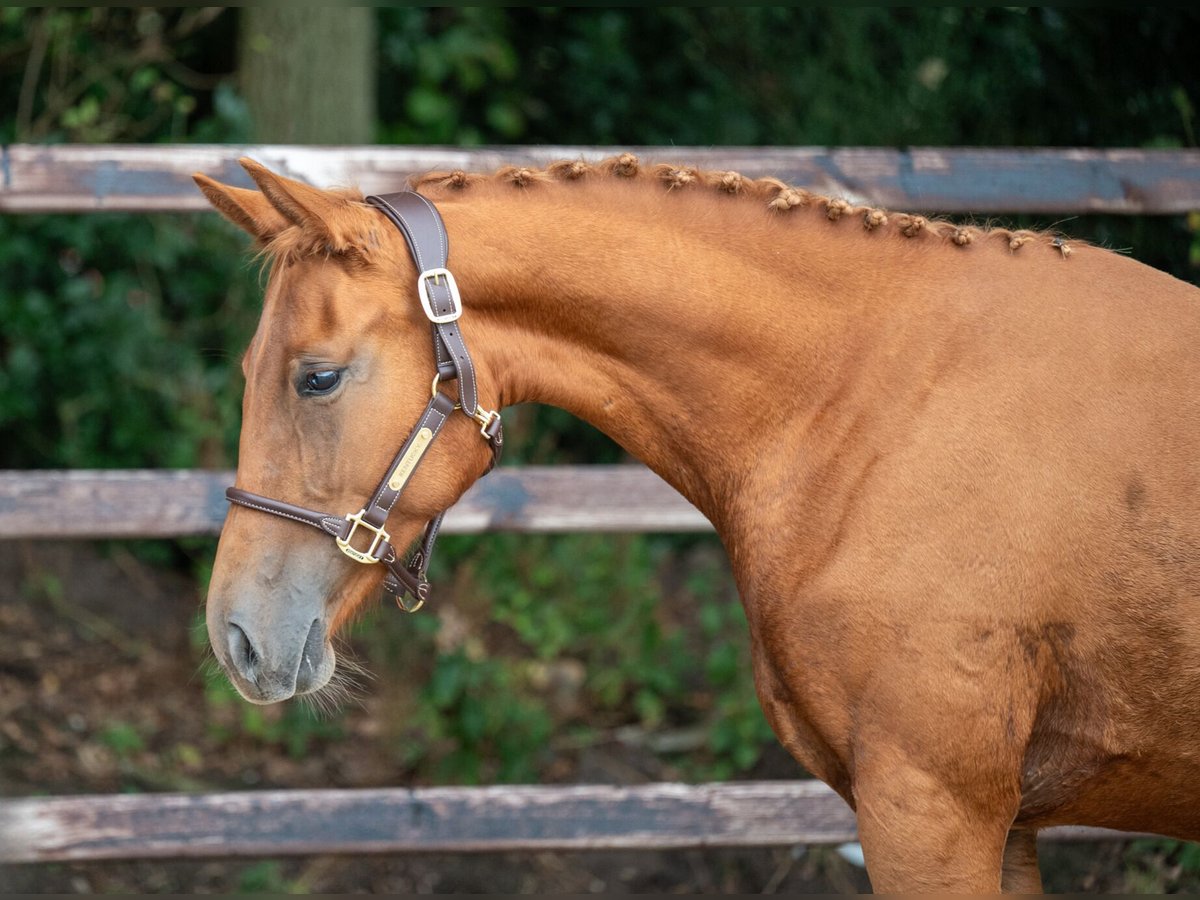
pixel 473 820
pixel 151 503
pixel 157 178
pixel 93 504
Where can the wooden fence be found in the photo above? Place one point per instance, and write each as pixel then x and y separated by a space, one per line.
pixel 109 504
pixel 157 178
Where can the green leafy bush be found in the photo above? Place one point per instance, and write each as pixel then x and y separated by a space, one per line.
pixel 120 339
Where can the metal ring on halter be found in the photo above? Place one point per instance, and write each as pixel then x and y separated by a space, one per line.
pixel 433 390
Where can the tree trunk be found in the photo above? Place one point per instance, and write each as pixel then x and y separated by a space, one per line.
pixel 308 73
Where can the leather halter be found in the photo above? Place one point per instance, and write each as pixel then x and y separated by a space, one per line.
pixel 425 234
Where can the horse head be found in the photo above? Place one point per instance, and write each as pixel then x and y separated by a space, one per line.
pixel 337 373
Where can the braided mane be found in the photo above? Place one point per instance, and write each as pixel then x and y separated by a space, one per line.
pixel 344 236
pixel 776 195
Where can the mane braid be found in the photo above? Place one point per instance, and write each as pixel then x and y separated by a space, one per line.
pixel 778 197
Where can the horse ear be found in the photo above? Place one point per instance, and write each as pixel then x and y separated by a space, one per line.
pixel 300 203
pixel 249 210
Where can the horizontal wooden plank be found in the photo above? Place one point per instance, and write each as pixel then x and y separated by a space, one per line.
pixel 149 503
pixel 149 178
pixel 491 819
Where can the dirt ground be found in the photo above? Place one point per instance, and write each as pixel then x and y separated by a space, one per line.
pixel 101 692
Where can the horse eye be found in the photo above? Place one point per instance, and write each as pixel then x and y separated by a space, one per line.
pixel 321 382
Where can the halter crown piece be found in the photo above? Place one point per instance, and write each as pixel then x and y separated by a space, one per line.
pixel 362 535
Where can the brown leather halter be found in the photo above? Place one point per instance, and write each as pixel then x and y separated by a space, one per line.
pixel 425 234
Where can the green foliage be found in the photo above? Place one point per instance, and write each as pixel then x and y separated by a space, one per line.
pixel 1159 865
pixel 789 75
pixel 265 877
pixel 1193 226
pixel 102 74
pixel 122 738
pixel 119 338
pixel 458 76
pixel 591 598
pixel 579 625
pixel 481 712
pixel 119 330
pixel 738 731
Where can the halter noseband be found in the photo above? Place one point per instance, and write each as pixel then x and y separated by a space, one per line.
pixel 425 234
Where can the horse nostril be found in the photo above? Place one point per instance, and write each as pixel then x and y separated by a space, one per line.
pixel 242 654
pixel 311 656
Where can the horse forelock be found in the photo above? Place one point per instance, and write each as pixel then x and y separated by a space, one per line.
pixel 350 233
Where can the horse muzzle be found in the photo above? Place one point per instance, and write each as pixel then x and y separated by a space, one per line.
pixel 267 665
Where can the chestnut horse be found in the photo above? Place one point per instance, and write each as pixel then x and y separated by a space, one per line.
pixel 956 471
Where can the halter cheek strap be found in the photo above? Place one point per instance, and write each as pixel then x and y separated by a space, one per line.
pixel 362 536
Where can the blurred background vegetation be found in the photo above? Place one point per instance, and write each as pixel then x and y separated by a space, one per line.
pixel 120 333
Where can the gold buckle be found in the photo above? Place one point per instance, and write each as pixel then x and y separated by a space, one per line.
pixel 380 536
pixel 485 417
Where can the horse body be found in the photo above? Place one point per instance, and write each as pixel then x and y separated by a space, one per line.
pixel 958 485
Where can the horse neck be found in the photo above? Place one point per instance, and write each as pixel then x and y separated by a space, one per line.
pixel 705 334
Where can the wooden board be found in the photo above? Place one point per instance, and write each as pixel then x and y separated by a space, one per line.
pixel 491 819
pixel 148 178
pixel 141 503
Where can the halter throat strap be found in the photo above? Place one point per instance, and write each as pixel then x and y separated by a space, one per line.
pixel 362 536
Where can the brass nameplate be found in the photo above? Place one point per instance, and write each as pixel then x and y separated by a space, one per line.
pixel 408 462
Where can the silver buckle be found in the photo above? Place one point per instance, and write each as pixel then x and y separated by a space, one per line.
pixel 436 275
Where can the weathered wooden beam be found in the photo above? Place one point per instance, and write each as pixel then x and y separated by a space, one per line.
pixel 491 819
pixel 150 503
pixel 149 178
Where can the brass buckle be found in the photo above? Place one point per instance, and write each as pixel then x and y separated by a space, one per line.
pixel 485 418
pixel 380 536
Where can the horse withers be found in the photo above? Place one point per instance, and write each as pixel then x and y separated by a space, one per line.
pixel 956 470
